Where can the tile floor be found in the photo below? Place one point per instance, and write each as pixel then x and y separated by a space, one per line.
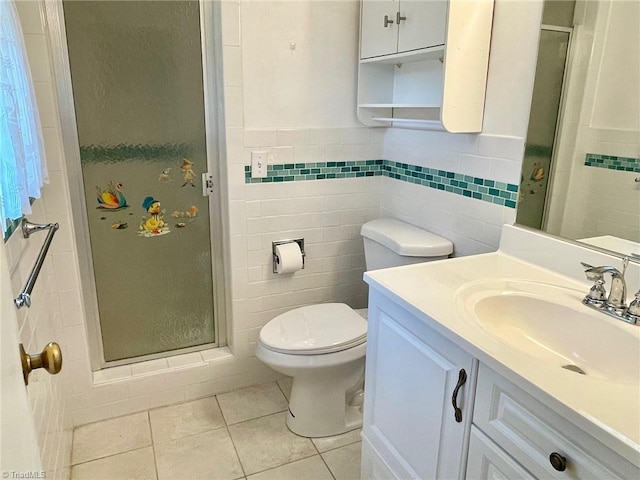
pixel 235 435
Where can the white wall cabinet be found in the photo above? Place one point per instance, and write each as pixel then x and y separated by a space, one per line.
pixel 393 26
pixel 424 64
pixel 410 426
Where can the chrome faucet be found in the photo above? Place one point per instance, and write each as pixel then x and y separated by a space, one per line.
pixel 615 304
pixel 618 291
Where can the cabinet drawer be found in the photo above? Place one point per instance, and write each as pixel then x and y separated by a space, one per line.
pixel 530 432
pixel 488 461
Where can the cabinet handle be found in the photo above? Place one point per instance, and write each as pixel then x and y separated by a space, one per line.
pixel 558 461
pixel 462 378
pixel 387 21
pixel 399 18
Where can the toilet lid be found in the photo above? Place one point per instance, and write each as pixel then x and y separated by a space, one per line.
pixel 315 329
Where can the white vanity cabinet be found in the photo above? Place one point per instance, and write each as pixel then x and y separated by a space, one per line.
pixel 424 63
pixel 410 427
pixel 395 26
pixel 519 437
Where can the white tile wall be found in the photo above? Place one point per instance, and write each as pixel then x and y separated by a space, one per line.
pixel 328 214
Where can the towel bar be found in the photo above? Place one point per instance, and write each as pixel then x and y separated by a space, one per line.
pixel 24 299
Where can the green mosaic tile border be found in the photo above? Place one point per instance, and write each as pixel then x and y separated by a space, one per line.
pixel 499 193
pixel 611 162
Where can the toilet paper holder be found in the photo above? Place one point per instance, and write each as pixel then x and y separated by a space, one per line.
pixel 299 241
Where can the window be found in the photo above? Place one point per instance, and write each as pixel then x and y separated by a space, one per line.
pixel 22 164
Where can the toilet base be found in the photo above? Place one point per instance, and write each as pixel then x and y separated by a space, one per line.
pixel 327 403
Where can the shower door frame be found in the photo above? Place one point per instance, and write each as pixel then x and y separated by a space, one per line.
pixel 211 50
pixel 560 118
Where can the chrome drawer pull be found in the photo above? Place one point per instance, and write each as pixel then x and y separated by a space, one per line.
pixel 462 378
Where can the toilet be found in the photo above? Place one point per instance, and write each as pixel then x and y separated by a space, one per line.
pixel 323 346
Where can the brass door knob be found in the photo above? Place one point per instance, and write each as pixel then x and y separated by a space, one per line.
pixel 50 359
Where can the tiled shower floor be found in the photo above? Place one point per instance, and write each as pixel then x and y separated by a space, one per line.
pixel 235 435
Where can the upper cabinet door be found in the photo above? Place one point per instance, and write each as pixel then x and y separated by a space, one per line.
pixel 377 36
pixel 422 24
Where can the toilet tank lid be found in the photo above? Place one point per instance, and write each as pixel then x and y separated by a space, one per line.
pixel 405 239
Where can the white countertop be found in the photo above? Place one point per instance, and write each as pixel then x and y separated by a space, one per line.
pixel 608 411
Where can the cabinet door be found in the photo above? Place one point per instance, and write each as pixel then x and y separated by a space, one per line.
pixel 487 461
pixel 424 24
pixel 411 374
pixel 375 38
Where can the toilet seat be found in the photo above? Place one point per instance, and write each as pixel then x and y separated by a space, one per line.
pixel 314 330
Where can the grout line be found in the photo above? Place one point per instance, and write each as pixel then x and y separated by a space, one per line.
pixel 289 463
pixel 109 456
pixel 153 447
pixel 328 468
pixel 233 444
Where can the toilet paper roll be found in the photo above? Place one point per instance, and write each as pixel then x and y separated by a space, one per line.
pixel 288 258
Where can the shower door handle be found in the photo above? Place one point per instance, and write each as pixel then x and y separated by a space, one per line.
pixel 50 359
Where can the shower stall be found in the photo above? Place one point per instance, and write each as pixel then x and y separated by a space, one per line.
pixel 546 109
pixel 137 92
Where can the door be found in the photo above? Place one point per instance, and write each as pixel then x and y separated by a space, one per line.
pixel 412 373
pixel 421 24
pixel 140 87
pixel 19 450
pixel 378 36
pixel 543 121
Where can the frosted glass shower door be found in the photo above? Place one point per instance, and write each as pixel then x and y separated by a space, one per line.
pixel 137 77
pixel 541 134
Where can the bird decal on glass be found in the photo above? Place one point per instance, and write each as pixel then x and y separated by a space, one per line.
pixel 111 197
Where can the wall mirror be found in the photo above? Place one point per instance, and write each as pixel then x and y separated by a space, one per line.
pixel 581 168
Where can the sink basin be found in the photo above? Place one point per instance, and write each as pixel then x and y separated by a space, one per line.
pixel 550 323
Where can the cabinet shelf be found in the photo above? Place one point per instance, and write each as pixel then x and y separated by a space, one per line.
pixel 398 105
pixel 423 124
pixel 432 53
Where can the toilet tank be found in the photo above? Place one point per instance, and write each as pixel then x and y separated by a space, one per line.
pixel 390 243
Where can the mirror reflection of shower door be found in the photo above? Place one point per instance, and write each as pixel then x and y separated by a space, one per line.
pixel 543 119
pixel 137 77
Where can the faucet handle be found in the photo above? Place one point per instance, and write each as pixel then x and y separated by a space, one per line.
pixel 632 315
pixel 597 293
pixel 592 274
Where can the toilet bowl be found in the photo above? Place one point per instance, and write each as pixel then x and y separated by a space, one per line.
pixel 323 346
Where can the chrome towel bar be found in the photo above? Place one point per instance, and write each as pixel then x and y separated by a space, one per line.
pixel 24 299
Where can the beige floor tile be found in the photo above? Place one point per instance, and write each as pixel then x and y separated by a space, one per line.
pixel 177 421
pixel 133 465
pixel 267 442
pixel 344 462
pixel 312 468
pixel 325 444
pixel 109 437
pixel 285 386
pixel 209 455
pixel 252 402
